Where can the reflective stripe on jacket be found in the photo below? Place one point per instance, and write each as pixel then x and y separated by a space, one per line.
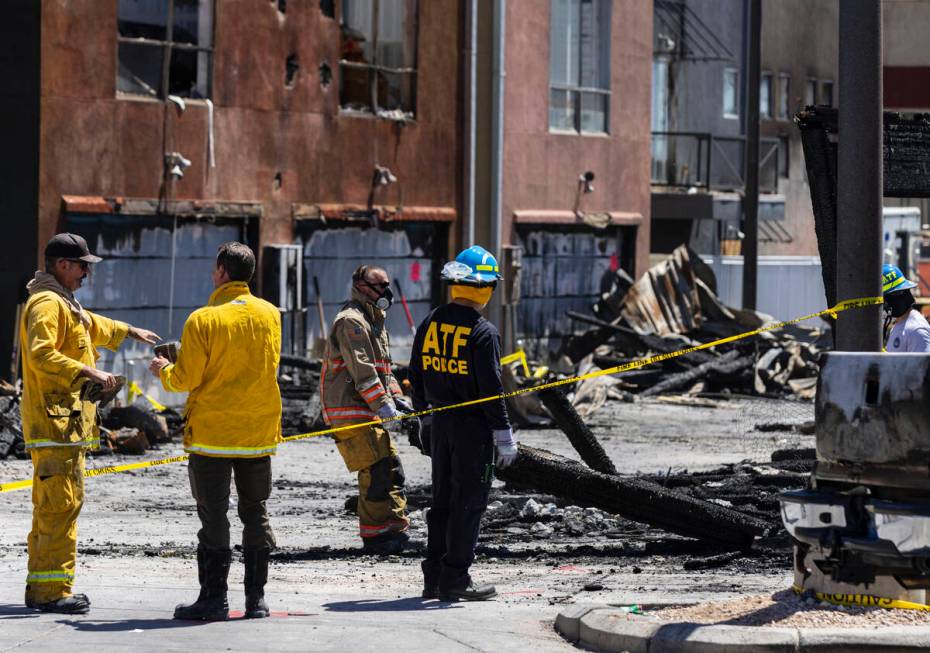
pixel 228 362
pixel 56 346
pixel 356 379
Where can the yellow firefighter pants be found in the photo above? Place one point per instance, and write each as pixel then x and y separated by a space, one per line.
pixel 382 501
pixel 57 497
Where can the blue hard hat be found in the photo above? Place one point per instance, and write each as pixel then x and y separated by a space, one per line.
pixel 474 266
pixel 894 280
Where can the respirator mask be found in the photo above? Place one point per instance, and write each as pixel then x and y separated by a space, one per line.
pixel 898 303
pixel 385 295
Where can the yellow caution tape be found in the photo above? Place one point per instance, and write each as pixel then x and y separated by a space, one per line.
pixel 100 471
pixel 625 367
pixel 136 391
pixel 518 355
pixel 865 601
pixel 15 485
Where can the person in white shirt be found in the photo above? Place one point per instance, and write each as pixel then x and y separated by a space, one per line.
pixel 909 330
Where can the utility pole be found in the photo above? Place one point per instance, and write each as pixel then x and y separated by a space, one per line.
pixel 859 178
pixel 751 190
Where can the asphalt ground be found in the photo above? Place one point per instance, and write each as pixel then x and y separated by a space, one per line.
pixel 137 538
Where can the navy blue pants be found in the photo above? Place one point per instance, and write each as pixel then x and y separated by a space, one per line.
pixel 462 455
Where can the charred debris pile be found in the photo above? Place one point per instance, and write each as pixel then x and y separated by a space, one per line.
pixel 674 306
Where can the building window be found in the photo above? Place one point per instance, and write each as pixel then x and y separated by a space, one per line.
pixel 730 93
pixel 826 92
pixel 379 57
pixel 165 47
pixel 784 96
pixel 810 92
pixel 765 96
pixel 579 65
pixel 784 158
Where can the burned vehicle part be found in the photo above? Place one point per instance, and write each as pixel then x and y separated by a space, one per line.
pixel 863 526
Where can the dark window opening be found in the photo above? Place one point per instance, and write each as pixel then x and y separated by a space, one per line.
pixel 291 67
pixel 328 7
pixel 282 6
pixel 326 75
pixel 378 61
pixel 871 392
pixel 784 157
pixel 165 47
pixel 278 181
pixel 826 93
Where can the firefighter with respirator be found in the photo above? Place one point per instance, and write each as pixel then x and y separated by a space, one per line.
pixel 358 386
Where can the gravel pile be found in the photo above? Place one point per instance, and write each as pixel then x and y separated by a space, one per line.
pixel 787 609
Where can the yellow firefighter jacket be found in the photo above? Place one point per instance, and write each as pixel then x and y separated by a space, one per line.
pixel 56 346
pixel 228 362
pixel 356 378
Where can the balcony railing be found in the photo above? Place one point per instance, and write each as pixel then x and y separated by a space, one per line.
pixel 710 162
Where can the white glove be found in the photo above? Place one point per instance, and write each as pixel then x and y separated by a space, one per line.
pixel 506 448
pixel 386 412
pixel 403 404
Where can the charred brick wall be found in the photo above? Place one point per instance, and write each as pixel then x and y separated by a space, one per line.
pixel 275 143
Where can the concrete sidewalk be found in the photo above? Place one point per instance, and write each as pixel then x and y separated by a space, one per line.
pixel 611 630
pixel 133 599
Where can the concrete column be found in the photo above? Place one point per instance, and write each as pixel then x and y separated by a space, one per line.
pixel 859 182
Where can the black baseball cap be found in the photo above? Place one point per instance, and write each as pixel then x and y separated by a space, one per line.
pixel 70 246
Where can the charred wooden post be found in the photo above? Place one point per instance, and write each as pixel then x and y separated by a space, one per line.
pixel 634 499
pixel 727 365
pixel 581 437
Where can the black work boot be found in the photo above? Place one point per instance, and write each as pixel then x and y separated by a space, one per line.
pixel 212 604
pixel 256 575
pixel 74 604
pixel 467 592
pixel 430 580
pixel 386 544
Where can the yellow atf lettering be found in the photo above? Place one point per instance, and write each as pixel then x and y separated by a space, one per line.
pixel 431 340
pixel 446 329
pixel 460 339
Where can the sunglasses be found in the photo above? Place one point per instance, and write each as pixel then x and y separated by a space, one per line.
pixel 384 285
pixel 84 264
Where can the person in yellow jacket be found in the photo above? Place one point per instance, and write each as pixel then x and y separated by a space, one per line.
pixel 59 341
pixel 357 386
pixel 228 362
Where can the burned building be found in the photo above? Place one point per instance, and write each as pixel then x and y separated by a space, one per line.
pixel 325 134
pixel 160 129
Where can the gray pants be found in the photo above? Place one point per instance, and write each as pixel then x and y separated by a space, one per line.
pixel 210 479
